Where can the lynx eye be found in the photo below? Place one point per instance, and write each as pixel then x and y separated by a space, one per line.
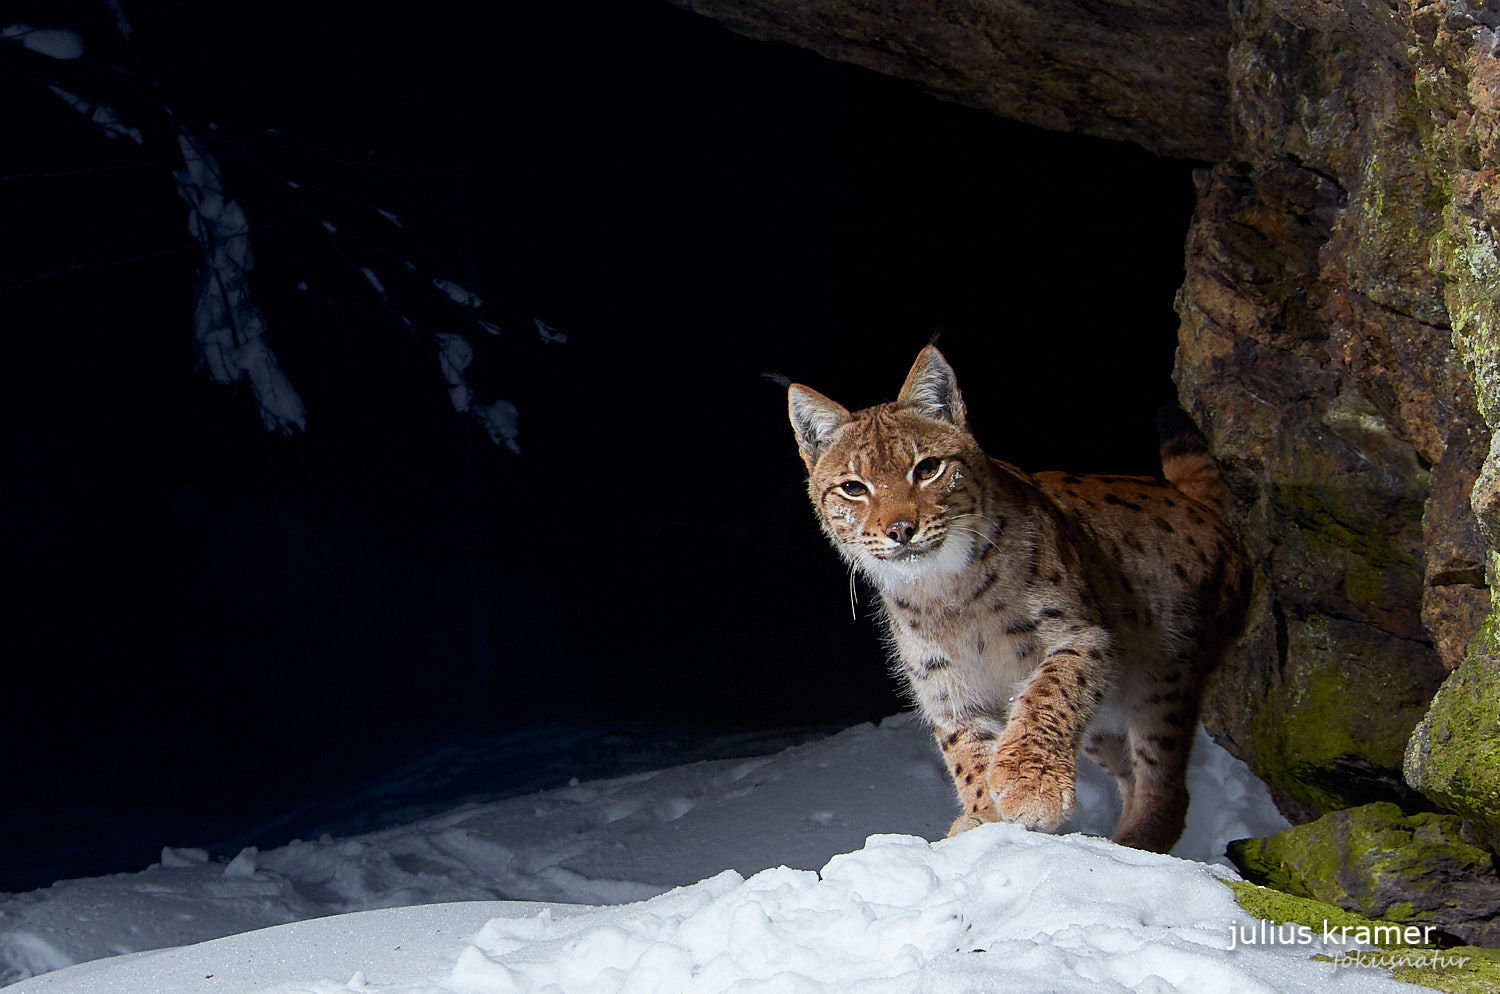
pixel 853 488
pixel 927 468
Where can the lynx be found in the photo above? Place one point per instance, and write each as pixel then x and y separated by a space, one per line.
pixel 1031 616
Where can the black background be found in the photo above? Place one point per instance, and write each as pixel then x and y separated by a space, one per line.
pixel 204 618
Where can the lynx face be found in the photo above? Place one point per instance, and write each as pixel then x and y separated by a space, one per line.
pixel 898 498
pixel 898 486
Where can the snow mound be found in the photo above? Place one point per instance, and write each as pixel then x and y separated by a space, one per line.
pixel 997 908
pixel 613 841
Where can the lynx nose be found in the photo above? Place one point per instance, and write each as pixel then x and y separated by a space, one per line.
pixel 900 532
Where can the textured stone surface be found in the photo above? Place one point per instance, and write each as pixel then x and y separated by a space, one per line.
pixel 1383 864
pixel 1146 71
pixel 1345 746
pixel 1337 668
pixel 1455 598
pixel 1316 350
pixel 1454 755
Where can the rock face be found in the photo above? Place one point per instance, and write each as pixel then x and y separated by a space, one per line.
pixel 1337 668
pixel 1317 348
pixel 1383 864
pixel 1147 71
pixel 1339 339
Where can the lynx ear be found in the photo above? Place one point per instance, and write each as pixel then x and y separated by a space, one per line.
pixel 932 389
pixel 814 418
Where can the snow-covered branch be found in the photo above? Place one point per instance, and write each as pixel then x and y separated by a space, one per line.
pixel 229 329
pixel 229 334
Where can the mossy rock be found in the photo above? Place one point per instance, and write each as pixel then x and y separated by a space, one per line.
pixel 1341 544
pixel 1465 970
pixel 1384 864
pixel 1321 743
pixel 1454 754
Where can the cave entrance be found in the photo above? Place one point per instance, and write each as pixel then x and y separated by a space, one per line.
pixel 831 219
pixel 692 209
pixel 822 221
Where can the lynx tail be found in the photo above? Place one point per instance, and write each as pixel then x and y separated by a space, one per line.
pixel 1185 461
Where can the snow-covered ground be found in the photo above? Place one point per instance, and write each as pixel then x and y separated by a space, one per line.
pixel 824 909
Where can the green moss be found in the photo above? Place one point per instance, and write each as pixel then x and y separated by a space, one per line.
pixel 1454 754
pixel 1461 249
pixel 1487 639
pixel 1323 744
pixel 1465 255
pixel 1386 206
pixel 1479 974
pixel 1328 515
pixel 1302 735
pixel 1362 858
pixel 1343 526
pixel 1278 907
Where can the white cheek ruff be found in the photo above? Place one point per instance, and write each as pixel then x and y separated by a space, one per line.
pixel 950 558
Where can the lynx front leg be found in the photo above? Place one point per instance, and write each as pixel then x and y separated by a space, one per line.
pixel 1034 766
pixel 966 752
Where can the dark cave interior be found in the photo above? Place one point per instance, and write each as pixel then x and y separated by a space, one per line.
pixel 201 605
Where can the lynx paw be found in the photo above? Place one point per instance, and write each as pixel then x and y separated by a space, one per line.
pixel 1040 807
pixel 965 822
pixel 1030 789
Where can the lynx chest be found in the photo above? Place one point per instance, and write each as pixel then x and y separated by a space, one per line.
pixel 958 663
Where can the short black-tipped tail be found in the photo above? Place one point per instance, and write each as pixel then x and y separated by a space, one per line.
pixel 1185 461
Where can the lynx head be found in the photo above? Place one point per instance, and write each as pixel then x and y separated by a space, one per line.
pixel 897 486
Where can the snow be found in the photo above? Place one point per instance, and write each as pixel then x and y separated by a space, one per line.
pixel 99 112
pixel 808 871
pixel 458 293
pixel 229 333
pixel 501 420
pixel 56 43
pixel 122 20
pixel 454 355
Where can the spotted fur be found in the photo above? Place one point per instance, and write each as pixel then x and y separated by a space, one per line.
pixel 1033 616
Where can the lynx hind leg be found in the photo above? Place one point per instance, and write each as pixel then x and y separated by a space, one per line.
pixel 1111 750
pixel 1159 741
pixel 966 753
